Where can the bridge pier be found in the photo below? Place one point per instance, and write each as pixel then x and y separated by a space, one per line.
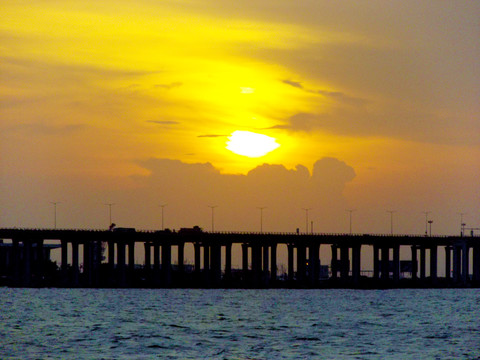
pixel 228 264
pixel 245 264
pixel 216 264
pixel 121 268
pixel 180 262
pixel 422 263
pixel 433 263
pixel 376 262
pixel 385 271
pixel 131 278
pixel 166 265
pixel 206 265
pixel 414 263
pixel 273 262
pixel 301 264
pixel 396 264
pixel 27 262
pixel 156 263
pixel 313 264
pixel 147 268
pixel 290 271
pixel 448 262
pixel 64 266
pixel 75 261
pixel 356 266
pixel 476 264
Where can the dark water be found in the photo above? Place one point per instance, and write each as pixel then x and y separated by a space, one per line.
pixel 239 324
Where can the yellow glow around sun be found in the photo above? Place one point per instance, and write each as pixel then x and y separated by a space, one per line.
pixel 251 144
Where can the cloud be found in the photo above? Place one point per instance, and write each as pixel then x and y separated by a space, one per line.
pixel 168 86
pixel 164 122
pixel 211 136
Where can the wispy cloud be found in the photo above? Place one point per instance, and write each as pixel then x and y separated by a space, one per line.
pixel 211 136
pixel 163 122
pixel 168 86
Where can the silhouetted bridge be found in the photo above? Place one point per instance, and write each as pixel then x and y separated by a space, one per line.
pixel 109 259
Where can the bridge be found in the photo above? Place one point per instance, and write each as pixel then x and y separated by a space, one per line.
pixel 109 259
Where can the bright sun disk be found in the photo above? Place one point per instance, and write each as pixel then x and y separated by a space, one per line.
pixel 251 144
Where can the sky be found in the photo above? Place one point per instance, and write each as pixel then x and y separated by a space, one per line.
pixel 374 105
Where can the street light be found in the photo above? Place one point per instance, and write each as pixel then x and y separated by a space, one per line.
pixel 351 211
pixel 162 206
pixel 430 223
pixel 426 221
pixel 306 219
pixel 110 212
pixel 462 224
pixel 391 220
pixel 213 215
pixel 261 217
pixel 55 213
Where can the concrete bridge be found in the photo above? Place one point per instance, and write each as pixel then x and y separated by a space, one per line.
pixel 109 259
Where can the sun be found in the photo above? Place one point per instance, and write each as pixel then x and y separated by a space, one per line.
pixel 247 143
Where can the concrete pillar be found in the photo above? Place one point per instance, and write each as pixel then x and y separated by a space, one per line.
pixel 167 265
pixel 216 264
pixel 75 268
pixel 121 268
pixel 385 263
pixel 27 262
pixel 64 267
pixel 448 261
pixel 476 263
pixel 273 262
pixel 39 263
pixel 197 250
pixel 111 261
pixel 148 262
pixel 376 262
pixel 344 263
pixel 313 264
pixel 290 262
pixel 15 274
pixel 97 261
pixel 356 266
pixel 245 262
pixel 206 265
pixel 396 263
pixel 228 264
pixel 87 264
pixel 265 266
pixel 465 268
pixel 131 262
pixel 180 258
pixel 457 262
pixel 156 263
pixel 256 264
pixel 334 262
pixel 301 264
pixel 422 262
pixel 414 262
pixel 433 263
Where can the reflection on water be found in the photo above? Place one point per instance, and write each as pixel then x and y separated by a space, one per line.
pixel 239 324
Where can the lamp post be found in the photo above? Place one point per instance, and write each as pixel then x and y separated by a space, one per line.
pixel 351 211
pixel 109 212
pixel 306 219
pixel 213 215
pixel 163 206
pixel 426 221
pixel 462 224
pixel 391 220
pixel 55 213
pixel 430 223
pixel 261 217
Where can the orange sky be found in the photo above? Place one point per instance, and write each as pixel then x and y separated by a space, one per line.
pixel 95 96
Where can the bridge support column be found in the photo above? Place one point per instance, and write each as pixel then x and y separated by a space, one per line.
pixel 476 263
pixel 290 262
pixel 216 264
pixel 313 264
pixel 27 262
pixel 15 266
pixel 245 262
pixel 166 265
pixel 39 263
pixel 356 266
pixel 448 262
pixel 121 268
pixel 396 264
pixel 465 269
pixel 334 262
pixel 97 262
pixel 256 264
pixel 301 264
pixel 457 262
pixel 414 262
pixel 111 262
pixel 344 263
pixel 64 262
pixel 422 263
pixel 265 275
pixel 433 263
pixel 228 264
pixel 75 268
pixel 273 262
pixel 131 263
pixel 180 261
pixel 147 268
pixel 206 265
pixel 197 251
pixel 376 262
pixel 156 264
pixel 385 263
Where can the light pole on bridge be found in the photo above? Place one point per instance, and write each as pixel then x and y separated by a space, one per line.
pixel 261 217
pixel 213 215
pixel 351 211
pixel 109 212
pixel 391 220
pixel 55 212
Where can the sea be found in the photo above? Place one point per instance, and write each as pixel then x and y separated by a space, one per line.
pixel 239 324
